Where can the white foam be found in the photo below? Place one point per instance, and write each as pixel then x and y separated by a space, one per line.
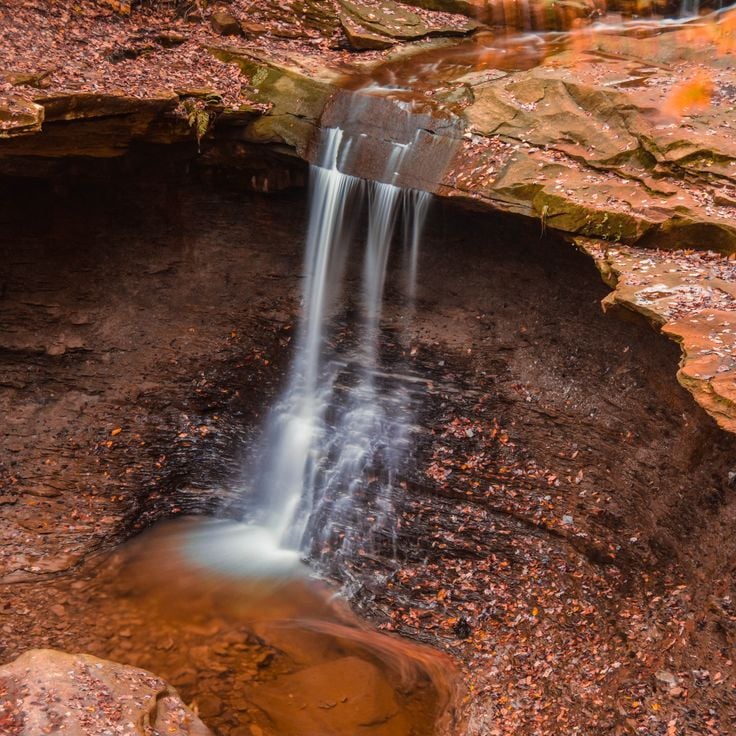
pixel 237 549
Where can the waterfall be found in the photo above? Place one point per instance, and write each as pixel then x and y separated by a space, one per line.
pixel 689 8
pixel 335 440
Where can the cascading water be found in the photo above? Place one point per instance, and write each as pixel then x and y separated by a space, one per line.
pixel 342 425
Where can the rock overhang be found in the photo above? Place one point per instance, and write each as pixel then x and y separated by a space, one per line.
pixel 608 141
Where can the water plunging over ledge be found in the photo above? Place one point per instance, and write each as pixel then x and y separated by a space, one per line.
pixel 335 441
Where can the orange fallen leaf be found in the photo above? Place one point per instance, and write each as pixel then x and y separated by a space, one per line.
pixel 116 431
pixel 690 96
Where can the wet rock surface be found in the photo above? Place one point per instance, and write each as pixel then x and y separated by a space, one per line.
pixel 107 404
pixel 607 140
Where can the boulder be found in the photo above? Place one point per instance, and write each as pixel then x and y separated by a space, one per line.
pixel 19 117
pixel 691 296
pixel 376 25
pixel 225 23
pixel 47 691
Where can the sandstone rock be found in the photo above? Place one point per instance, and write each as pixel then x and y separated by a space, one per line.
pixel 251 28
pixel 708 366
pixel 100 125
pixel 692 297
pixel 318 15
pixel 47 691
pixel 595 150
pixel 376 25
pixel 296 98
pixel 360 38
pixel 26 79
pixel 19 117
pixel 82 105
pixel 225 23
pixel 170 39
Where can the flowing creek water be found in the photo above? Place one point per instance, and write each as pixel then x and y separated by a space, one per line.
pixel 340 418
pixel 321 482
pixel 320 486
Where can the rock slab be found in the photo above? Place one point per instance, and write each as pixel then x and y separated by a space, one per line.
pixel 48 691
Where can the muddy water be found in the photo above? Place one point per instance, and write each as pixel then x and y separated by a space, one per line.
pixel 270 655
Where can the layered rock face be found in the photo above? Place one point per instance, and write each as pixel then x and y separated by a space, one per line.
pixel 606 141
pixel 692 297
pixel 47 691
pixel 620 136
